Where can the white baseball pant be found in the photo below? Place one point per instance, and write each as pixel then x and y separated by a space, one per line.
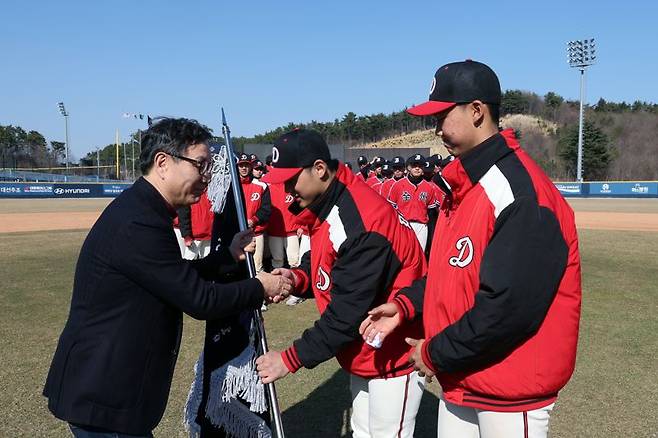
pixel 421 233
pixel 258 253
pixel 385 408
pixel 304 245
pixel 284 245
pixel 464 422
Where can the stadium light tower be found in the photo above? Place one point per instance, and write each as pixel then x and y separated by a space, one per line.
pixel 582 54
pixel 62 110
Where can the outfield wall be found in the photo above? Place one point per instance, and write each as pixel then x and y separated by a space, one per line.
pixel 609 189
pixel 613 189
pixel 61 190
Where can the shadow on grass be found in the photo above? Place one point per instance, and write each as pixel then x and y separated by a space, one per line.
pixel 326 411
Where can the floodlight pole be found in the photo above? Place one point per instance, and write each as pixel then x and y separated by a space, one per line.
pixel 64 113
pixel 579 164
pixel 582 54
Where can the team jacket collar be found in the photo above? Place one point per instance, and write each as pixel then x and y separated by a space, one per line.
pixel 464 172
pixel 318 211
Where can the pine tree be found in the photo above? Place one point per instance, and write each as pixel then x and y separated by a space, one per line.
pixel 596 151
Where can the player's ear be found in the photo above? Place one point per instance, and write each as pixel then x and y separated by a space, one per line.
pixel 477 110
pixel 321 169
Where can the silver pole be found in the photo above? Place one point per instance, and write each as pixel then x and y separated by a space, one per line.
pixel 132 146
pixel 258 315
pixel 66 135
pixel 579 171
pixel 98 165
pixel 125 160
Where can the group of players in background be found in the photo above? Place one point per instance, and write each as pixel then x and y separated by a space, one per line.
pixel 413 186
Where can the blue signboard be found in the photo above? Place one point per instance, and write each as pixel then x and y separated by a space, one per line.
pixel 570 189
pixel 61 190
pixel 624 189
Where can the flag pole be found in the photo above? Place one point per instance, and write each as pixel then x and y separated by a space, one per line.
pixel 258 315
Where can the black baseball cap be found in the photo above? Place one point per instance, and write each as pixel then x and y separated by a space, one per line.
pixel 435 159
pixel 397 161
pixel 460 82
pixel 416 159
pixel 362 160
pixel 244 158
pixel 253 157
pixel 378 162
pixel 294 151
pixel 258 164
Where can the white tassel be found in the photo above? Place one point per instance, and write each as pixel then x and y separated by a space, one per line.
pixel 194 400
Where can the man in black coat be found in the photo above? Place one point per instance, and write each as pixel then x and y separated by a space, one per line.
pixel 115 359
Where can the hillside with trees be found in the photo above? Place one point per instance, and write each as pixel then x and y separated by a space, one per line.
pixel 620 139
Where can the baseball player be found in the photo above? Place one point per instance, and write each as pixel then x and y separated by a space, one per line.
pixel 364 168
pixel 258 169
pixel 397 168
pixel 282 229
pixel 258 206
pixel 413 197
pixel 193 228
pixel 501 302
pixel 362 253
pixel 376 176
pixel 387 174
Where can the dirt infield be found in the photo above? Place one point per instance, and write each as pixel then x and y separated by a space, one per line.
pixel 25 215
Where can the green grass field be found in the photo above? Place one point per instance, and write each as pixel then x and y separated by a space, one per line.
pixel 613 393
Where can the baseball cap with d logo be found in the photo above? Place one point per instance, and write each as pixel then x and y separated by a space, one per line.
pixel 294 151
pixel 460 82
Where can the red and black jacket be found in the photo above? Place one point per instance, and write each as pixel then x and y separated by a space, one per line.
pixel 362 253
pixel 258 204
pixel 501 303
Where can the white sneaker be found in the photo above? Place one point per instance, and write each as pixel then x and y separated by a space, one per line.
pixel 293 301
pixel 263 308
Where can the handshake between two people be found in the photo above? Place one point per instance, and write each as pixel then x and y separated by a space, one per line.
pixel 277 285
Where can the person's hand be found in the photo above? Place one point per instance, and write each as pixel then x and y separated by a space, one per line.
pixel 379 323
pixel 270 367
pixel 300 233
pixel 243 242
pixel 277 287
pixel 286 273
pixel 250 223
pixel 416 358
pixel 188 241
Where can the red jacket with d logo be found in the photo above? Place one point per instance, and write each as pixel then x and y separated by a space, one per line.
pixel 362 253
pixel 501 303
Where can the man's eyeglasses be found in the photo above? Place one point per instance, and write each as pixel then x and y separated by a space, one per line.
pixel 202 166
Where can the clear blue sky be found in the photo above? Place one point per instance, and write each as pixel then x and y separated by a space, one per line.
pixel 269 63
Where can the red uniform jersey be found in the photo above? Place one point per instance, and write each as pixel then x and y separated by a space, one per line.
pixel 201 219
pixel 385 188
pixel 373 179
pixel 257 202
pixel 362 252
pixel 282 221
pixel 413 200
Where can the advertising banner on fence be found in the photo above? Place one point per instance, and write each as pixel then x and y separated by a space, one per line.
pixel 570 189
pixel 61 190
pixel 624 189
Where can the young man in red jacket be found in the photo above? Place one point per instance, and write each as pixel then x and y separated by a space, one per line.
pixel 414 197
pixel 257 205
pixel 362 253
pixel 501 302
